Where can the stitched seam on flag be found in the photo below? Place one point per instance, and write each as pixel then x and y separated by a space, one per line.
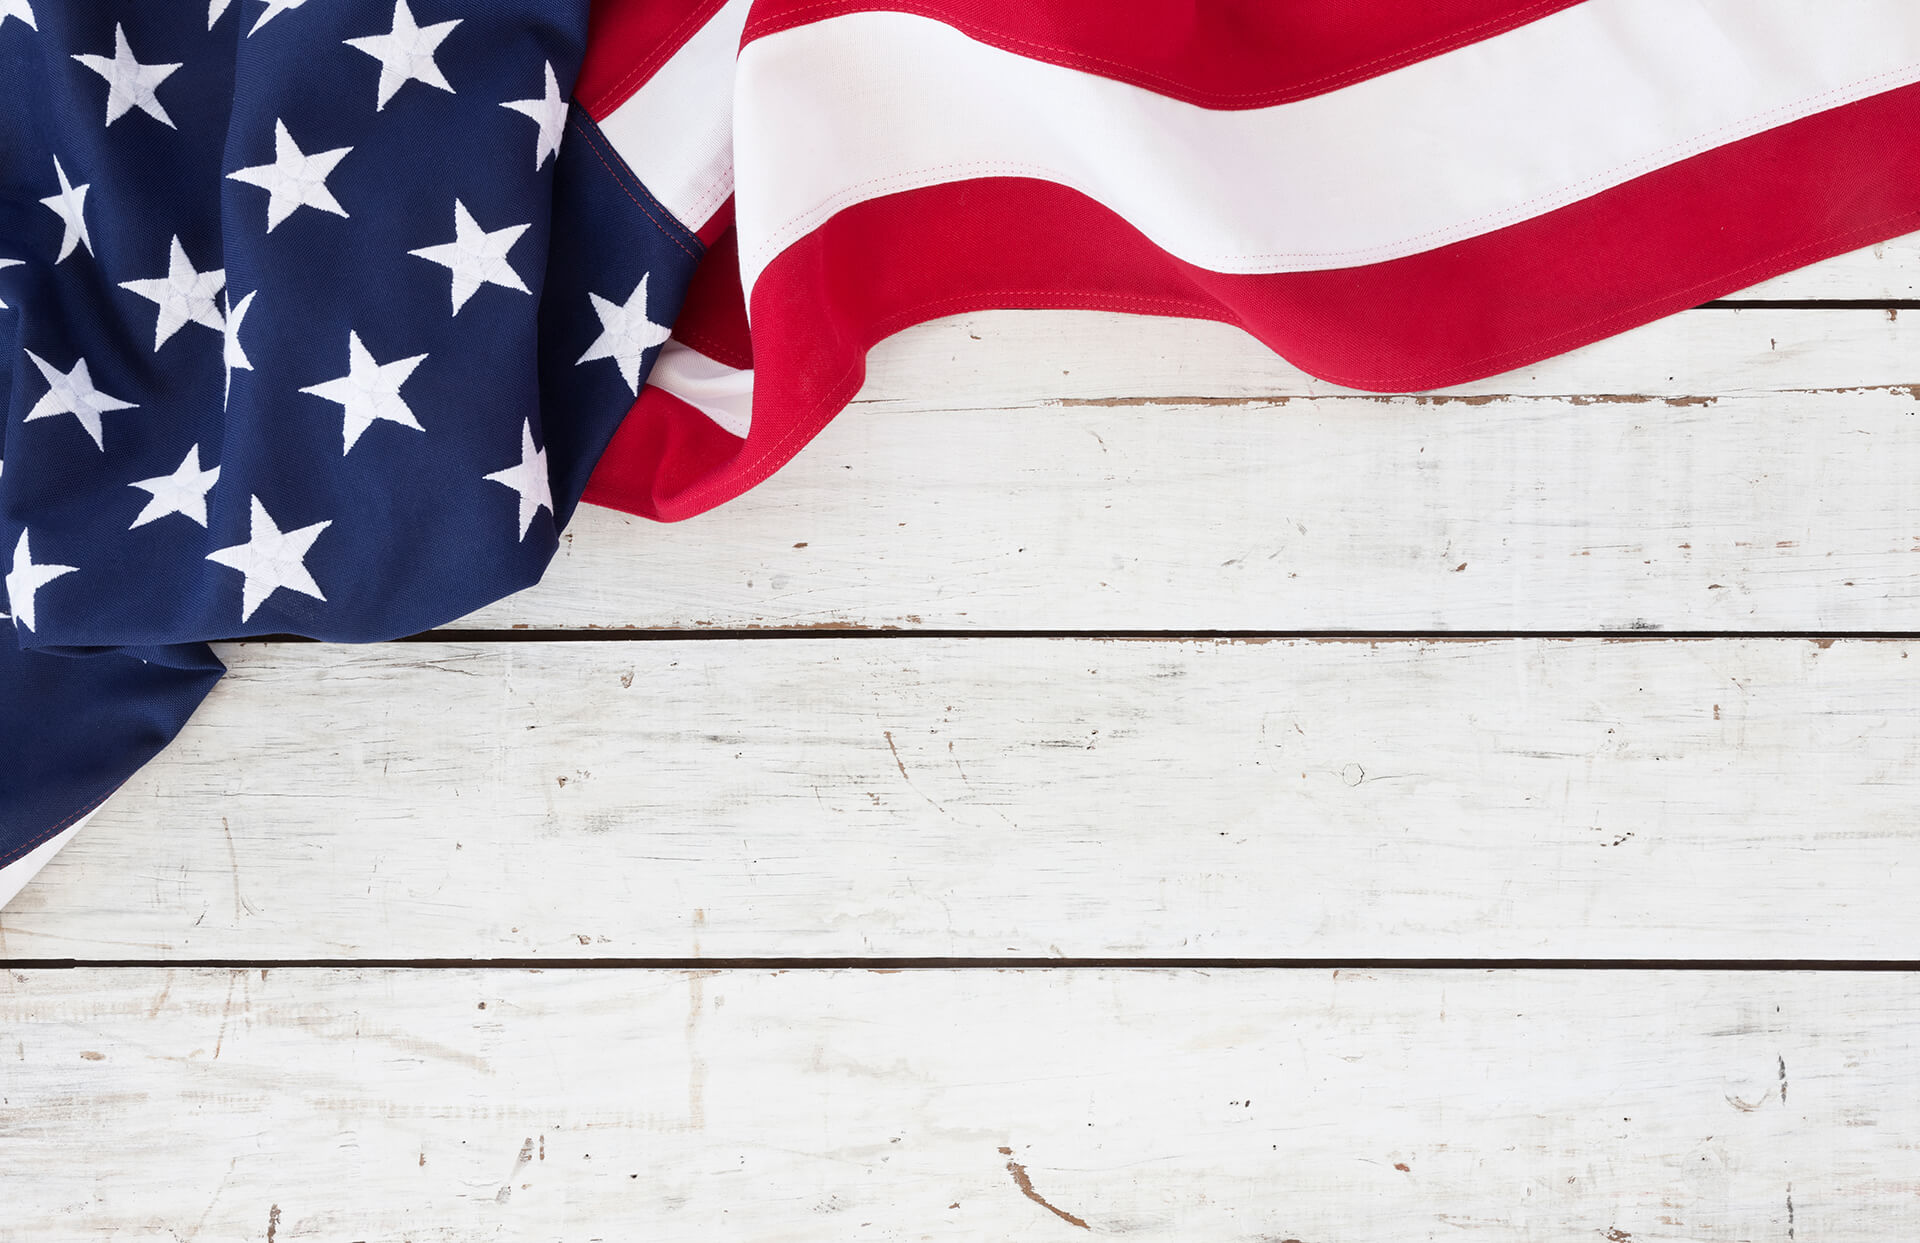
pixel 1068 58
pixel 784 234
pixel 1627 317
pixel 673 234
pixel 26 848
pixel 746 476
pixel 620 91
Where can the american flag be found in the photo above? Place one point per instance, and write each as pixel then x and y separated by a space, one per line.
pixel 319 316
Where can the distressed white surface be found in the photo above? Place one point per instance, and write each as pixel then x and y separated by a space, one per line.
pixel 1729 797
pixel 812 1106
pixel 1889 270
pixel 1738 471
pixel 979 797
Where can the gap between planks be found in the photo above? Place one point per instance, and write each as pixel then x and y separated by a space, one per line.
pixel 1011 962
pixel 838 631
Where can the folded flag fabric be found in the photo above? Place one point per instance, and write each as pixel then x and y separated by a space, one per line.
pixel 1395 196
pixel 321 318
pixel 319 315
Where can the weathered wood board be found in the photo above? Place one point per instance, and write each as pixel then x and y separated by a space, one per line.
pixel 1646 799
pixel 1889 271
pixel 613 1105
pixel 1718 471
pixel 1721 471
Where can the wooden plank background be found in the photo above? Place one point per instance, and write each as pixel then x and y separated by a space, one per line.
pixel 1522 776
pixel 1040 1104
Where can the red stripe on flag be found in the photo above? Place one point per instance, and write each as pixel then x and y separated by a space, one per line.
pixel 627 42
pixel 1216 55
pixel 713 319
pixel 1658 244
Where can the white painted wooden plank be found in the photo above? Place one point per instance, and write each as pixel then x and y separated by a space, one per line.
pixel 951 797
pixel 572 1106
pixel 1785 512
pixel 1889 270
pixel 1037 358
pixel 1775 505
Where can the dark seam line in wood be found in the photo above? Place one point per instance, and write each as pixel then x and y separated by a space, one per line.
pixel 1810 304
pixel 1011 962
pixel 1623 634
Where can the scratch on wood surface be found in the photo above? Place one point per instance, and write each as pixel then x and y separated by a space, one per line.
pixel 273 1222
pixel 1781 1058
pixel 1111 402
pixel 194 1232
pixel 1911 390
pixel 165 988
pixel 696 1064
pixel 240 905
pixel 901 765
pixel 226 1011
pixel 524 1156
pixel 1025 1184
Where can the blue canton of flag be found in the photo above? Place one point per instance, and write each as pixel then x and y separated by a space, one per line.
pixel 314 319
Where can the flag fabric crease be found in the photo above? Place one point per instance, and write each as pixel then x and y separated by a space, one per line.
pixel 320 319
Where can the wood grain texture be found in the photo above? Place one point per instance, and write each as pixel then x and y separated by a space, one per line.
pixel 572 1106
pixel 898 795
pixel 977 797
pixel 1719 470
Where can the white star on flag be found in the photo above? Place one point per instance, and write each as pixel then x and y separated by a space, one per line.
pixel 626 334
pixel 405 53
pixel 368 391
pixel 130 84
pixel 274 9
pixel 72 392
pixel 270 559
pixel 20 9
pixel 182 492
pixel 475 256
pixel 236 357
pixel 9 263
pixel 26 579
pixel 68 206
pixel 294 179
pixel 529 479
pixel 550 113
pixel 215 10
pixel 183 296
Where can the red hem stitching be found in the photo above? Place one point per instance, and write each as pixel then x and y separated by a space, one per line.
pixel 670 233
pixel 21 851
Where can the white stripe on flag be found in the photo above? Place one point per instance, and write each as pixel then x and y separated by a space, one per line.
pixel 1447 148
pixel 677 131
pixel 722 393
